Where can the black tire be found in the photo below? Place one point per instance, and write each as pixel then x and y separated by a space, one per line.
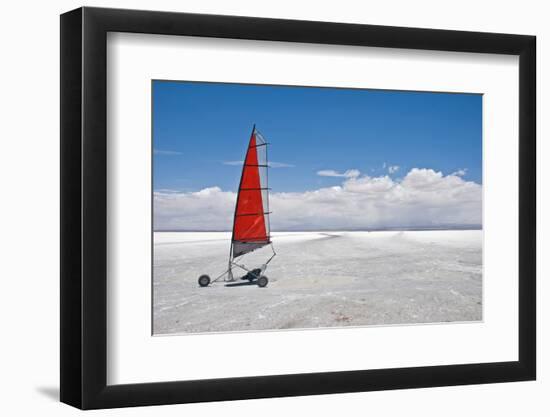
pixel 204 280
pixel 262 281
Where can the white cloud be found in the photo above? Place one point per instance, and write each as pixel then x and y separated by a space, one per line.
pixel 207 209
pixel 272 164
pixel 461 172
pixel 392 169
pixel 423 197
pixel 350 173
pixel 167 191
pixel 165 152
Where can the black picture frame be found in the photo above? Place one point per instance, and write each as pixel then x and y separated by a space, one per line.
pixel 84 207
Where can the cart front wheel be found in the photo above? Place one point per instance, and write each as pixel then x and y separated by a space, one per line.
pixel 262 281
pixel 204 280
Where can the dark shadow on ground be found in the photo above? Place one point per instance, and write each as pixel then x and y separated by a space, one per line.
pixel 240 284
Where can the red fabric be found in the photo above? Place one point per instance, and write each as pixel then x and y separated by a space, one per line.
pixel 250 228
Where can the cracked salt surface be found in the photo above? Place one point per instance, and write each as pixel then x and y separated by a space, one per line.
pixel 319 279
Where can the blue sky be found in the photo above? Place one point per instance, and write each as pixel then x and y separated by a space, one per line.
pixel 200 129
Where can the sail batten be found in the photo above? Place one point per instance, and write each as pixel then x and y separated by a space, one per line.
pixel 252 214
pixel 251 219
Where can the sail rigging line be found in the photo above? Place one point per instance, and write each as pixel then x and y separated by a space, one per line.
pixel 268 212
pixel 267 199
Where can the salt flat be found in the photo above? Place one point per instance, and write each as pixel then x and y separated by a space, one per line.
pixel 319 279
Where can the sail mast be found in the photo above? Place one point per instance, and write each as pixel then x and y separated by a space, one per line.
pixel 237 200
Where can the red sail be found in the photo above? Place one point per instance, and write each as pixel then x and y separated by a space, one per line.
pixel 249 228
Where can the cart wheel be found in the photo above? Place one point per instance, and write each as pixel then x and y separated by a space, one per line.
pixel 262 281
pixel 204 280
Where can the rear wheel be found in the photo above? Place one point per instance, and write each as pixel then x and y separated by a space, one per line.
pixel 204 280
pixel 262 281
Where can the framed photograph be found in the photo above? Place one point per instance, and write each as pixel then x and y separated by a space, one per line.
pixel 257 208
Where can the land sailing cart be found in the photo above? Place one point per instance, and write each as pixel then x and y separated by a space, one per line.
pixel 251 229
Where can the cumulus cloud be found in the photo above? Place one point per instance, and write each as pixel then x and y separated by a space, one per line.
pixel 422 198
pixel 392 169
pixel 350 173
pixel 461 172
pixel 207 209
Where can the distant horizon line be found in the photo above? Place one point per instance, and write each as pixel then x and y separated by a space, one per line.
pixel 377 229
